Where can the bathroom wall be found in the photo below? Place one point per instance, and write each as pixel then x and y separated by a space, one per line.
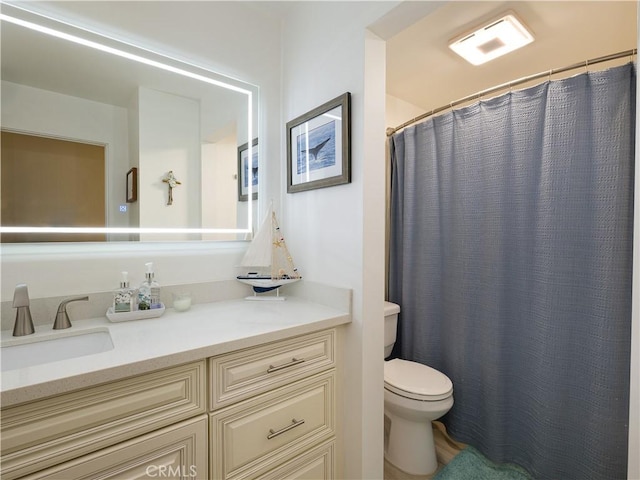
pixel 218 182
pixel 169 140
pixel 336 234
pixel 134 161
pixel 399 111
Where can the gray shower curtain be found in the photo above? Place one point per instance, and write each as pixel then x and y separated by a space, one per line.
pixel 510 256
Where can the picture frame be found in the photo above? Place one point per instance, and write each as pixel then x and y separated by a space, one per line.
pixel 132 185
pixel 319 146
pixel 247 170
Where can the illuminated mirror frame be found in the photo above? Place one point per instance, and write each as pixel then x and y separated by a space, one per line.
pixel 54 27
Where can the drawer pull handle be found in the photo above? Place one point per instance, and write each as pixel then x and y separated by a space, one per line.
pixel 294 361
pixel 294 423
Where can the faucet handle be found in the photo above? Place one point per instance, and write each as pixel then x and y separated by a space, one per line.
pixel 62 317
pixel 23 324
pixel 21 296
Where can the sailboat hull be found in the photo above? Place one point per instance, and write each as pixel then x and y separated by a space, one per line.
pixel 263 284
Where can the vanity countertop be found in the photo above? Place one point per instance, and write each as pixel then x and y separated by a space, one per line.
pixel 140 346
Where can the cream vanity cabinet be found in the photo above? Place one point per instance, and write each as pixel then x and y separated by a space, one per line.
pixel 273 410
pixel 114 430
pixel 263 412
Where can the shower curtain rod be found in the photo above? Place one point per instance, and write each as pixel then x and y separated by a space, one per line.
pixel 548 73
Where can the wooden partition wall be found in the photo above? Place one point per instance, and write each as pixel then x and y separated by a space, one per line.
pixel 51 182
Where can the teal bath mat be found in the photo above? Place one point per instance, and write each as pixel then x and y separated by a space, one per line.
pixel 470 464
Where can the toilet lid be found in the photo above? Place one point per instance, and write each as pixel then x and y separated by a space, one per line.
pixel 415 380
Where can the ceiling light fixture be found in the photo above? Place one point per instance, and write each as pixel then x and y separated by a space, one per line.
pixel 501 36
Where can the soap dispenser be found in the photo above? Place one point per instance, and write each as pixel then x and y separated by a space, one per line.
pixel 124 297
pixel 149 291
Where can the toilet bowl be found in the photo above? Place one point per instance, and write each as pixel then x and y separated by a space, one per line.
pixel 414 395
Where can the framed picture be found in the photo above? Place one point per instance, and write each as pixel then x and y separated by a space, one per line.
pixel 248 171
pixel 132 185
pixel 318 147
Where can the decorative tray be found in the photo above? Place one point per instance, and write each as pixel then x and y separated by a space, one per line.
pixel 135 315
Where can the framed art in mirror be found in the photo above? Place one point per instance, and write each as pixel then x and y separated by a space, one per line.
pixel 248 171
pixel 132 185
pixel 318 147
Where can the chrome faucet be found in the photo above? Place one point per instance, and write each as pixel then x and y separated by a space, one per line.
pixel 62 317
pixel 24 323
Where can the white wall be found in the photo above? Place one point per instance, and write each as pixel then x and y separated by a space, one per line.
pixel 134 161
pixel 336 234
pixel 220 184
pixel 399 111
pixel 40 112
pixel 169 140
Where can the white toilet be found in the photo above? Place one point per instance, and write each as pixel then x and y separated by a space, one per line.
pixel 414 395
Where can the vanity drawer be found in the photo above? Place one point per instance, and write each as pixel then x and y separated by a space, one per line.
pixel 177 451
pixel 246 373
pixel 317 463
pixel 254 436
pixel 40 434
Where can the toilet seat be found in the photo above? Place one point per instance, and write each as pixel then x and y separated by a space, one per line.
pixel 415 380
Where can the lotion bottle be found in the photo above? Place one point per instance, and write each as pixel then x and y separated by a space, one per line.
pixel 149 291
pixel 124 297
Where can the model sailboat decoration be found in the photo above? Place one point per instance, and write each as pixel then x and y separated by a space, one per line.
pixel 267 261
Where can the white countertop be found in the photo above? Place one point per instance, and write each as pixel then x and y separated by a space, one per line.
pixel 141 346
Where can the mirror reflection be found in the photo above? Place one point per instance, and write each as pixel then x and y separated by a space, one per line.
pixel 119 143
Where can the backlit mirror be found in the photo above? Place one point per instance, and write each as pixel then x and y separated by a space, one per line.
pixel 105 141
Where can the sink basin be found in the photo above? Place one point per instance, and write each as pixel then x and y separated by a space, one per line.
pixel 26 352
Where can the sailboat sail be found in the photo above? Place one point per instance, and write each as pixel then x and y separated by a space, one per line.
pixel 259 252
pixel 267 259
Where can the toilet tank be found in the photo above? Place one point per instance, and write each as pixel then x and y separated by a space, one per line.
pixel 391 311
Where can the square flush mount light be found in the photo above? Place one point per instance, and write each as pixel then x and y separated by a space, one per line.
pixel 500 36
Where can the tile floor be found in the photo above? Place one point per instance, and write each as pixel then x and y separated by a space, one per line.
pixel 446 449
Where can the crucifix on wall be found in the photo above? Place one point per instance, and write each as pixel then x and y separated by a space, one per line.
pixel 172 182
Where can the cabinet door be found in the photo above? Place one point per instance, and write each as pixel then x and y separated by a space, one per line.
pixel 47 432
pixel 257 435
pixel 316 464
pixel 175 452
